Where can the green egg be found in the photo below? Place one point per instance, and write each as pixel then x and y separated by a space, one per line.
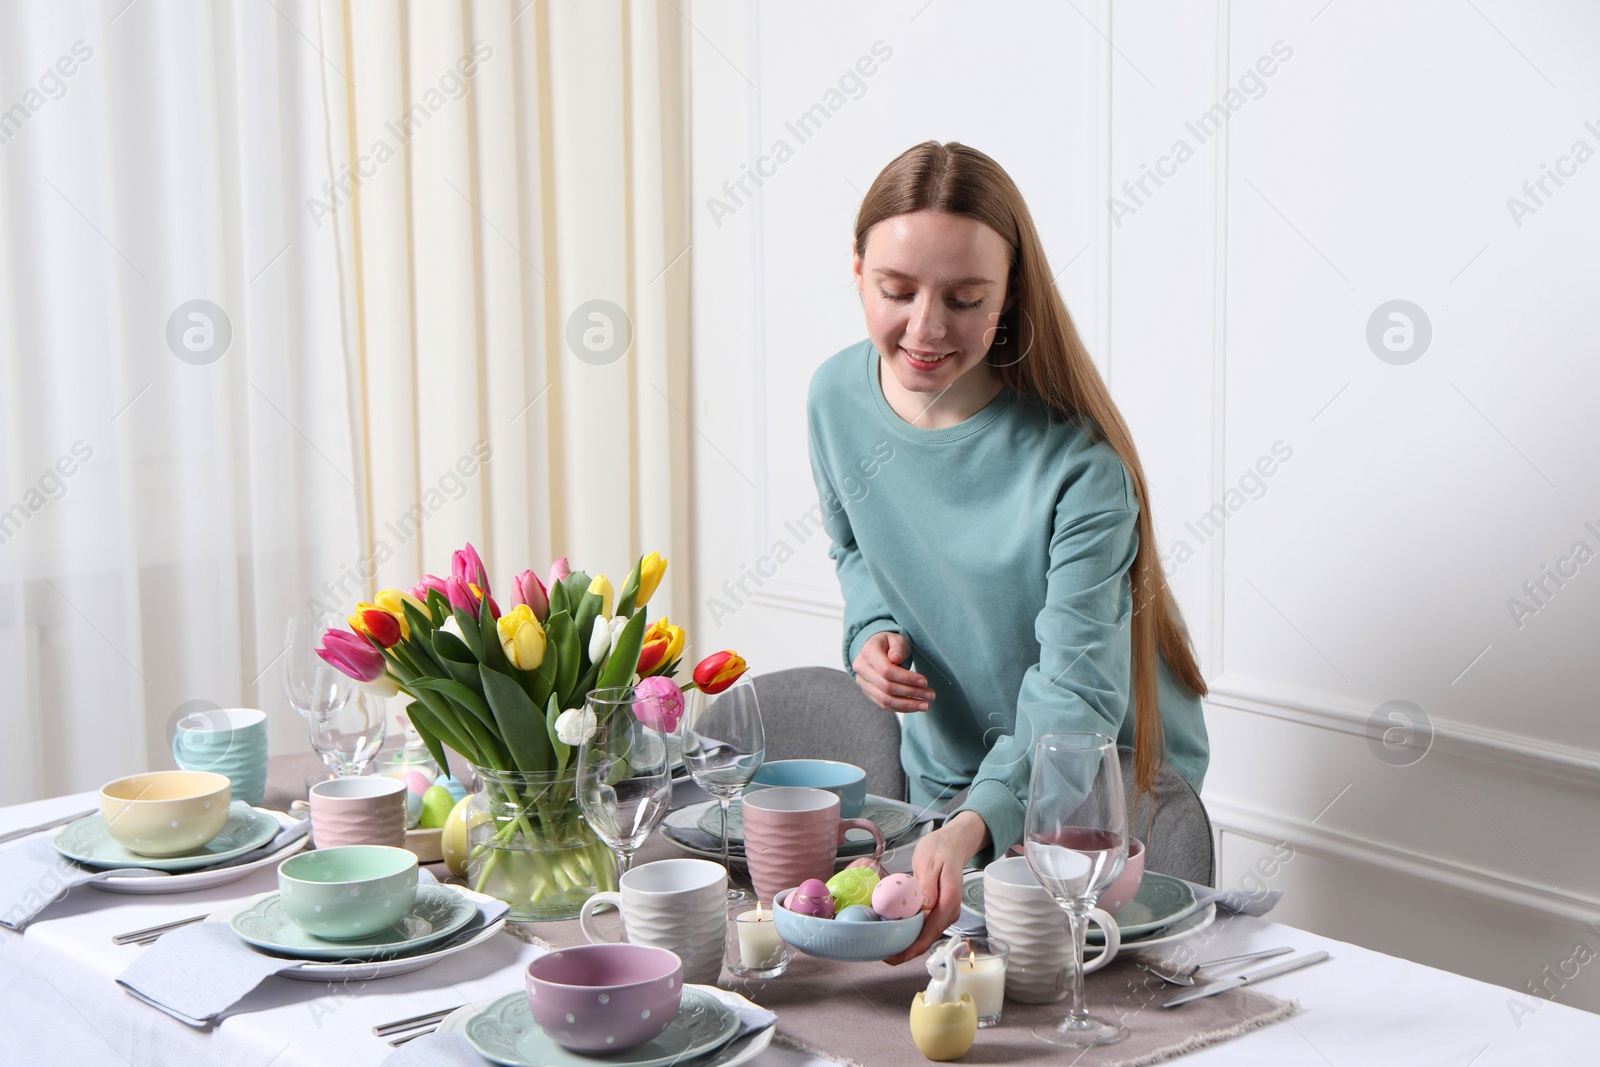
pixel 436 805
pixel 853 885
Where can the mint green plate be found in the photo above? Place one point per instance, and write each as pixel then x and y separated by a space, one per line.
pixel 438 913
pixel 506 1033
pixel 1161 901
pixel 89 842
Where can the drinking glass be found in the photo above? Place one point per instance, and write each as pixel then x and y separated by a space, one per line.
pixel 723 746
pixel 348 736
pixel 624 772
pixel 1076 840
pixel 312 686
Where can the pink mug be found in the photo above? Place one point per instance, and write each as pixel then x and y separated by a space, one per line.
pixel 792 833
pixel 367 810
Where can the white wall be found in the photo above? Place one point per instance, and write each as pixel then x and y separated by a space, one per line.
pixel 1230 307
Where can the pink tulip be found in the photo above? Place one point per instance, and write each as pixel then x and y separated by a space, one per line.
pixel 429 581
pixel 559 570
pixel 466 566
pixel 352 655
pixel 466 596
pixel 658 703
pixel 526 588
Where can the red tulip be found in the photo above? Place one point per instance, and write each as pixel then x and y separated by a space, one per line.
pixel 378 624
pixel 718 671
pixel 351 655
pixel 526 588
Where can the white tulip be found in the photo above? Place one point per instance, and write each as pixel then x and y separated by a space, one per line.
pixel 576 725
pixel 599 639
pixel 453 628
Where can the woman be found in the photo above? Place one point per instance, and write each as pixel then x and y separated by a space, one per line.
pixel 1004 549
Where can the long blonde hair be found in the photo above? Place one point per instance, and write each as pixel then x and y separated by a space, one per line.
pixel 1055 366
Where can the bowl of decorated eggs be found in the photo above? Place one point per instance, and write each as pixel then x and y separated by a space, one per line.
pixel 855 917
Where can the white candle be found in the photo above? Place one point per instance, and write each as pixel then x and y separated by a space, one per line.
pixel 760 947
pixel 984 979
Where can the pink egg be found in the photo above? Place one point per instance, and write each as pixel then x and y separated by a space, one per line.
pixel 811 897
pixel 416 781
pixel 897 897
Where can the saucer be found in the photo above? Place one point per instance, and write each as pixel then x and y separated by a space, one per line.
pixel 438 913
pixel 89 842
pixel 505 1033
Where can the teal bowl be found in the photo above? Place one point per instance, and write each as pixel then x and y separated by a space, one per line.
pixel 845 780
pixel 845 942
pixel 348 892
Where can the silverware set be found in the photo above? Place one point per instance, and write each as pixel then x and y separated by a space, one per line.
pixel 402 1030
pixel 1185 977
pixel 153 933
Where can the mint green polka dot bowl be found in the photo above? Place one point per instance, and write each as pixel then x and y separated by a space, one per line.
pixel 348 892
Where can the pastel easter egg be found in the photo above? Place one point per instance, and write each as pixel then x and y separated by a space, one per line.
pixel 853 885
pixel 811 897
pixel 457 790
pixel 436 805
pixel 413 809
pixel 897 897
pixel 416 782
pixel 857 913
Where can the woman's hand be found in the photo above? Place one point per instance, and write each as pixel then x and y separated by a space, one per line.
pixel 937 865
pixel 886 683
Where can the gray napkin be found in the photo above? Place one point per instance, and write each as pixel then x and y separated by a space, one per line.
pixel 1238 901
pixel 34 875
pixel 454 1050
pixel 196 973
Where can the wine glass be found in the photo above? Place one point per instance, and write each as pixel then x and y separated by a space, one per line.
pixel 723 746
pixel 624 772
pixel 312 686
pixel 1076 840
pixel 348 736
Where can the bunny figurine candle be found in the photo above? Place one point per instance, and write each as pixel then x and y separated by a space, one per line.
pixel 943 1022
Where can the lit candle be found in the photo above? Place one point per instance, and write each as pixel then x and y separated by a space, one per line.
pixel 760 947
pixel 981 973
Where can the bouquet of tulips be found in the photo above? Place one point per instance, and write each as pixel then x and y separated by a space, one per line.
pixel 508 691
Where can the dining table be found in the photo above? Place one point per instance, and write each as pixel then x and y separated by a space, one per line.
pixel 60 1002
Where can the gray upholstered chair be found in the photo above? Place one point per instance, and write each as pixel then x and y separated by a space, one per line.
pixel 1177 839
pixel 820 713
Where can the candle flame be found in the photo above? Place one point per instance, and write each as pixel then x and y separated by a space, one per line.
pixel 758 909
pixel 972 955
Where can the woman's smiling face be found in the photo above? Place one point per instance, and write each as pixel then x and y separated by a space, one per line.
pixel 933 286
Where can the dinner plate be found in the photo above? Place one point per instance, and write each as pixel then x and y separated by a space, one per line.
pixel 505 1033
pixel 893 819
pixel 738 1051
pixel 471 936
pixel 1162 902
pixel 682 829
pixel 204 878
pixel 89 842
pixel 1176 932
pixel 439 911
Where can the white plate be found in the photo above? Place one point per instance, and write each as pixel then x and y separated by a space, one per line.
pixel 202 879
pixel 1177 931
pixel 318 971
pixel 740 1050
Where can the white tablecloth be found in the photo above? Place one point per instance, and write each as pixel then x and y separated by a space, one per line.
pixel 61 1005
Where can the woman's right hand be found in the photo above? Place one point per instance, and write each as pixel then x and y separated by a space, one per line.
pixel 880 675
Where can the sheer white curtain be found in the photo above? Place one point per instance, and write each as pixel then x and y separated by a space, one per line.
pixel 403 221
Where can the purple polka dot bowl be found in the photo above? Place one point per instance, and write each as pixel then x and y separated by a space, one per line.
pixel 604 998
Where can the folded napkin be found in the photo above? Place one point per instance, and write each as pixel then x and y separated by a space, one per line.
pixel 196 973
pixel 454 1050
pixel 1238 901
pixel 33 875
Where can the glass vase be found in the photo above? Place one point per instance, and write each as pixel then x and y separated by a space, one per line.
pixel 530 846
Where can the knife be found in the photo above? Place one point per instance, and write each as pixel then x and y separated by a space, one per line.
pixel 1222 986
pixel 49 824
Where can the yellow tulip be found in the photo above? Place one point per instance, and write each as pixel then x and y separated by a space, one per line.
pixel 663 643
pixel 650 572
pixel 522 637
pixel 600 586
pixel 375 622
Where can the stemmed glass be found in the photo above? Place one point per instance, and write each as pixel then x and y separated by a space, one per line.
pixel 1076 840
pixel 624 772
pixel 348 736
pixel 312 686
pixel 723 746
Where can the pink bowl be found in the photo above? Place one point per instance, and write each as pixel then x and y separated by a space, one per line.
pixel 604 998
pixel 1126 887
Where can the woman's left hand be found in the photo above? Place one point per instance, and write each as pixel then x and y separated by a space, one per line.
pixel 938 864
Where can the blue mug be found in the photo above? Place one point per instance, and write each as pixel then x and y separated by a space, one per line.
pixel 230 741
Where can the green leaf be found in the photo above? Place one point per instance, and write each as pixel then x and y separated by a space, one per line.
pixel 576 584
pixel 471 634
pixel 563 642
pixel 558 599
pixel 521 725
pixel 630 589
pixel 625 654
pixel 479 722
pixel 494 655
pixel 423 722
pixel 438 606
pixel 586 684
pixel 449 647
pixel 588 611
pixel 446 723
pixel 562 750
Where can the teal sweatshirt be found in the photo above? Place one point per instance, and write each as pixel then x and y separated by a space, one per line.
pixel 1000 547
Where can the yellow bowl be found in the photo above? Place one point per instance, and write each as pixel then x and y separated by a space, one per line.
pixel 166 813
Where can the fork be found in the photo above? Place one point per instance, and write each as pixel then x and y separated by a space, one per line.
pixel 1188 979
